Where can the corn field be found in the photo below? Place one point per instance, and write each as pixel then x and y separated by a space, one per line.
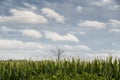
pixel 97 69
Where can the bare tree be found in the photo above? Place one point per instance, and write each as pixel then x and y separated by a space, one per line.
pixel 58 53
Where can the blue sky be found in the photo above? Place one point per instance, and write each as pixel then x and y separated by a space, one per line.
pixel 82 28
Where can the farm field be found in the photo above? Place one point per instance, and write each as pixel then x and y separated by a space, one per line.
pixel 59 39
pixel 108 69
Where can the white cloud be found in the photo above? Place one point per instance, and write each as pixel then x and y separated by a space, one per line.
pixel 79 8
pixel 30 6
pixel 5 29
pixel 107 1
pixel 19 45
pixel 114 7
pixel 31 33
pixel 102 2
pixel 77 48
pixel 114 44
pixel 19 49
pixel 80 32
pixel 114 23
pixel 28 46
pixel 110 51
pixel 22 16
pixel 98 3
pixel 53 15
pixel 103 56
pixel 114 30
pixel 57 37
pixel 106 4
pixel 92 24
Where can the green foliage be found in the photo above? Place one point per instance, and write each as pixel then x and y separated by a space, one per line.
pixel 61 70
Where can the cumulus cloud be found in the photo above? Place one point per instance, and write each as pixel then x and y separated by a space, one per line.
pixel 80 32
pixel 79 8
pixel 22 16
pixel 57 37
pixel 90 56
pixel 19 45
pixel 53 15
pixel 114 30
pixel 5 29
pixel 30 6
pixel 102 2
pixel 107 1
pixel 114 23
pixel 77 48
pixel 108 4
pixel 23 48
pixel 92 24
pixel 114 44
pixel 37 47
pixel 114 7
pixel 31 33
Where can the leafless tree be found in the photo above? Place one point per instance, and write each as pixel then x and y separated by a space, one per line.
pixel 58 53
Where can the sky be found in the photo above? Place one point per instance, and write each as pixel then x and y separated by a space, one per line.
pixel 30 29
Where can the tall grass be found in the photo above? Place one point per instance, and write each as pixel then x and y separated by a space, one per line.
pixel 61 70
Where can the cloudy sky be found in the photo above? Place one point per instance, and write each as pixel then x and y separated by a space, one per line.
pixel 82 28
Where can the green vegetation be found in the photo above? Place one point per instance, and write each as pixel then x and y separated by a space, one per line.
pixel 60 70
